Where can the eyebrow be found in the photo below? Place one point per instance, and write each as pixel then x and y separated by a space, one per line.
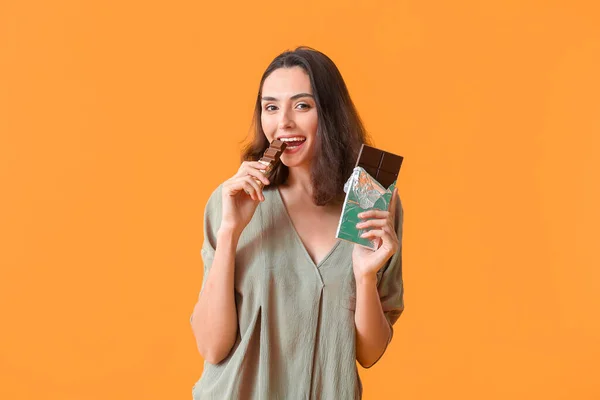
pixel 294 97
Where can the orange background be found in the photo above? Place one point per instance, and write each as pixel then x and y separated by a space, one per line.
pixel 112 118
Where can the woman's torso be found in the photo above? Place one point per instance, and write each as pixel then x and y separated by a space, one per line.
pixel 296 337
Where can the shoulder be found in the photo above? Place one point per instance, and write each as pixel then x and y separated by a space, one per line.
pixel 213 209
pixel 215 199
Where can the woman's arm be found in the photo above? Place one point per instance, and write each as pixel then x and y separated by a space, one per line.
pixel 372 329
pixel 214 320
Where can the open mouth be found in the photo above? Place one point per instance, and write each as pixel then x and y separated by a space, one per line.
pixel 293 143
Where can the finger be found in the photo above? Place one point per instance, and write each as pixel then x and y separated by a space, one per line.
pixel 252 164
pixel 244 183
pixel 255 187
pixel 248 189
pixel 255 169
pixel 375 236
pixel 385 229
pixel 232 187
pixel 374 214
pixel 258 174
pixel 373 223
pixel 373 233
pixel 386 238
pixel 249 192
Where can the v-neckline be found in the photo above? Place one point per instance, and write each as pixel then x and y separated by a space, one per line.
pixel 297 235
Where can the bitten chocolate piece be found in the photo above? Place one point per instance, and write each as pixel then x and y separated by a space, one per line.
pixel 278 145
pixel 271 158
pixel 380 164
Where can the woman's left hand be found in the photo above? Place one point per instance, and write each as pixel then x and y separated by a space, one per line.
pixel 367 262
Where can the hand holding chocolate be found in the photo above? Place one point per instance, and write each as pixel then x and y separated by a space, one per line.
pixel 271 159
pixel 370 187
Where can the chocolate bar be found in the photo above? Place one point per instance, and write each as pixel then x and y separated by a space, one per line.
pixel 381 165
pixel 271 158
pixel 369 188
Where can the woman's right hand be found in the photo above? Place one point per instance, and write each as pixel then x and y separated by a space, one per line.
pixel 241 195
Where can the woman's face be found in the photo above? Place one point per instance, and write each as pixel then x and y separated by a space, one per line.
pixel 289 113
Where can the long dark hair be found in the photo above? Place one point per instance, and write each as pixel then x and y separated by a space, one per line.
pixel 340 131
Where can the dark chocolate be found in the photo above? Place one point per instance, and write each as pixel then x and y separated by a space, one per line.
pixel 381 165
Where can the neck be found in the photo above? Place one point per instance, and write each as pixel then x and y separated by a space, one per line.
pixel 299 185
pixel 299 180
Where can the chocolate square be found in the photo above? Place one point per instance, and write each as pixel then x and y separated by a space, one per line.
pixel 391 163
pixel 278 144
pixel 370 156
pixel 385 178
pixel 371 171
pixel 381 165
pixel 272 153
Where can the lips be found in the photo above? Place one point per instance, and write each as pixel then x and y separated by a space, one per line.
pixel 293 143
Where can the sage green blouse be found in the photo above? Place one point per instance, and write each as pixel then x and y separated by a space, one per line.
pixel 296 333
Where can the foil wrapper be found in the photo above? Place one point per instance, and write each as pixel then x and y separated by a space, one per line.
pixel 363 192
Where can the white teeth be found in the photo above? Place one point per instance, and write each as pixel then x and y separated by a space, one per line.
pixel 293 139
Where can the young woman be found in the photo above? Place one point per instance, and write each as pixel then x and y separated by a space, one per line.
pixel 285 308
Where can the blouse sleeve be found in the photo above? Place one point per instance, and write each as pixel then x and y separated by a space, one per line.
pixel 391 288
pixel 212 222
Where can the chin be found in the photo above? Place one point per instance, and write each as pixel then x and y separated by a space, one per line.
pixel 295 161
pixel 297 157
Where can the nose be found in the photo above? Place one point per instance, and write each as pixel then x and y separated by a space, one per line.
pixel 285 121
